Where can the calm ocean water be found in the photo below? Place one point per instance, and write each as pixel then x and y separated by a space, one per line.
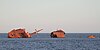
pixel 67 35
pixel 42 41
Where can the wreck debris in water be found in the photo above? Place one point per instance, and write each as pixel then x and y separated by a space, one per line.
pixel 91 36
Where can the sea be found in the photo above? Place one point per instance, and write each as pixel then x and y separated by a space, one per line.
pixel 43 41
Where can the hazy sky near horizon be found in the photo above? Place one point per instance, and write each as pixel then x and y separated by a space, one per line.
pixel 69 15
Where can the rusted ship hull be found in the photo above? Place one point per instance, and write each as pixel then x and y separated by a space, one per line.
pixel 21 33
pixel 57 34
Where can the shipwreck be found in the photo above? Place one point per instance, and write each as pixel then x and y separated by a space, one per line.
pixel 21 33
pixel 58 34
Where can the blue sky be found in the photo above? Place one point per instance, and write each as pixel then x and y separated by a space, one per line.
pixel 69 15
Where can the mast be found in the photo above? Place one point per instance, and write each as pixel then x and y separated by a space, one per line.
pixel 36 31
